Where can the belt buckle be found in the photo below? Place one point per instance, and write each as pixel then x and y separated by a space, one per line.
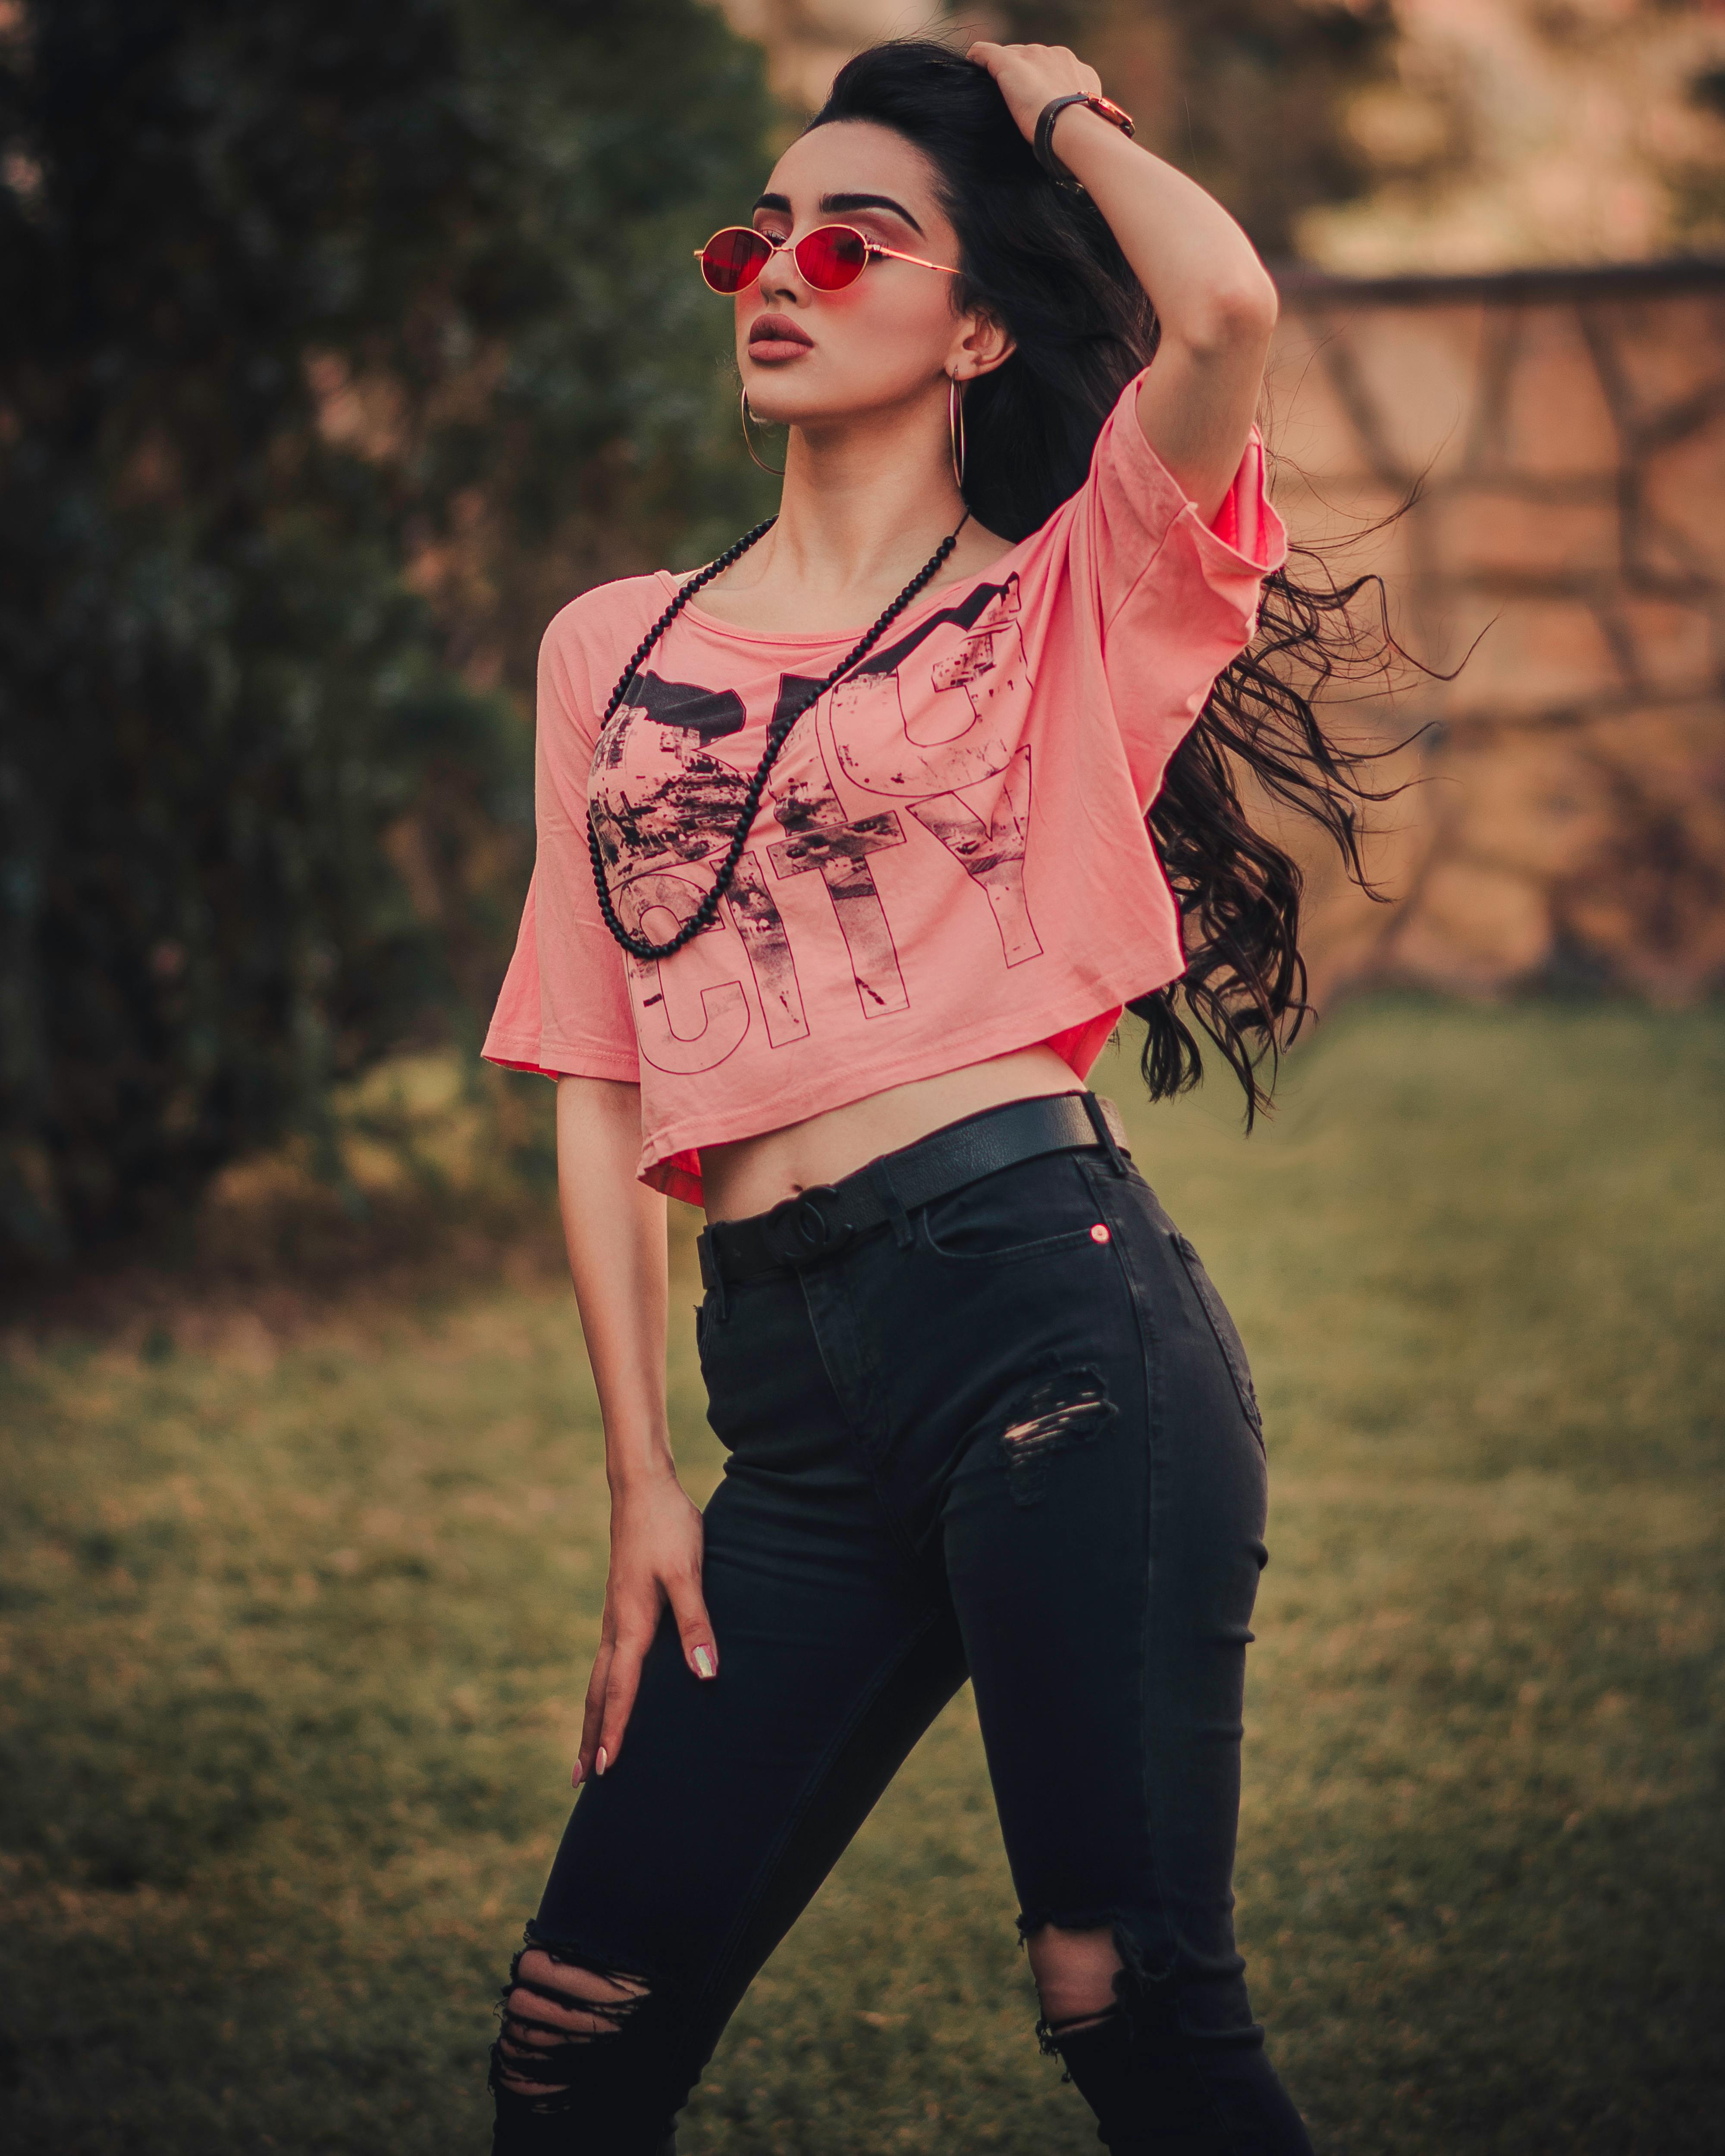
pixel 801 1229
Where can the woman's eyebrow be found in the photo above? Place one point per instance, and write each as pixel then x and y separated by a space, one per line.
pixel 840 203
pixel 837 205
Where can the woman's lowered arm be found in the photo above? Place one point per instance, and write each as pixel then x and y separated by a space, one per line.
pixel 615 1229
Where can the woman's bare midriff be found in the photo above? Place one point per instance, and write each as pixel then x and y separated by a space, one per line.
pixel 750 1174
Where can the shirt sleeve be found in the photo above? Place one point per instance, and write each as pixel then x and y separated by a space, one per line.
pixel 564 1009
pixel 1172 599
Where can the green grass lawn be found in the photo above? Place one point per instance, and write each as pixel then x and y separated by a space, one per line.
pixel 295 1636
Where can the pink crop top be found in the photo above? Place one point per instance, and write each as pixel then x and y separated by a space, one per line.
pixel 950 861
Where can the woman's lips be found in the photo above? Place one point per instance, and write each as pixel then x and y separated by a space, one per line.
pixel 777 336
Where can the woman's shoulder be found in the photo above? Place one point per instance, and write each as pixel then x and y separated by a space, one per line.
pixel 585 647
pixel 605 613
pixel 588 641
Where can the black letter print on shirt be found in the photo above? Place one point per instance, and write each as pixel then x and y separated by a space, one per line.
pixel 655 905
pixel 885 750
pixel 709 713
pixel 645 815
pixel 993 853
pixel 651 822
pixel 820 836
pixel 760 925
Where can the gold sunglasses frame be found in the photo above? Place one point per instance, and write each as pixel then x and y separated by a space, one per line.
pixel 871 247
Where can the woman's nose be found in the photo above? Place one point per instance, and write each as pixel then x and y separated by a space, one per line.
pixel 779 276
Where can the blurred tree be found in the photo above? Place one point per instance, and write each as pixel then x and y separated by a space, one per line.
pixel 340 345
pixel 1537 130
pixel 1247 96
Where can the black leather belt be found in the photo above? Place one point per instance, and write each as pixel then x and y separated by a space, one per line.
pixel 819 1223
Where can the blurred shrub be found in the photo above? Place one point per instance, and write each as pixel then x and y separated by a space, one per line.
pixel 340 345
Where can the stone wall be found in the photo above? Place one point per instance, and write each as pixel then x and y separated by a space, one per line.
pixel 1565 433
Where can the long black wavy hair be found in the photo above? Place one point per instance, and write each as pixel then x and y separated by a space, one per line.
pixel 1043 261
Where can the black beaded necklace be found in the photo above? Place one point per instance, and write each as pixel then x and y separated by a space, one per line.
pixel 777 733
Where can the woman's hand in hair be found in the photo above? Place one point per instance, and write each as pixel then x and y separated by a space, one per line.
pixel 1214 299
pixel 1029 75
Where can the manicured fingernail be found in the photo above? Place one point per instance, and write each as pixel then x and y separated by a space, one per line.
pixel 703 1661
pixel 575 1778
pixel 601 1763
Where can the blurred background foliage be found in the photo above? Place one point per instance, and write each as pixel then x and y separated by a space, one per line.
pixel 340 345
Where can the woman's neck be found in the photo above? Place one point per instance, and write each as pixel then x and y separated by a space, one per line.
pixel 863 506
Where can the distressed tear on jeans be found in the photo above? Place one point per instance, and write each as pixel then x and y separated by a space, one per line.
pixel 1133 2064
pixel 551 2025
pixel 1066 1409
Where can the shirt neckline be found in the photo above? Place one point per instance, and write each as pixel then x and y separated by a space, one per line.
pixel 940 596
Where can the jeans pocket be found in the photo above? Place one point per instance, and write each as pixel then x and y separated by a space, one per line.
pixel 1031 1211
pixel 1228 1339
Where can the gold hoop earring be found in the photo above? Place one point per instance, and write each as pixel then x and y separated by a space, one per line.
pixel 955 429
pixel 777 470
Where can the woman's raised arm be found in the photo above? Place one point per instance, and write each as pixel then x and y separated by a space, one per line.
pixel 615 1229
pixel 1214 298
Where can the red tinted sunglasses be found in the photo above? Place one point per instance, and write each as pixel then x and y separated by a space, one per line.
pixel 828 259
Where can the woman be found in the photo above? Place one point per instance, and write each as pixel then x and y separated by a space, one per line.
pixel 846 928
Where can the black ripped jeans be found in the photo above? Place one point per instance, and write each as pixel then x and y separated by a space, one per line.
pixel 1013 1437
